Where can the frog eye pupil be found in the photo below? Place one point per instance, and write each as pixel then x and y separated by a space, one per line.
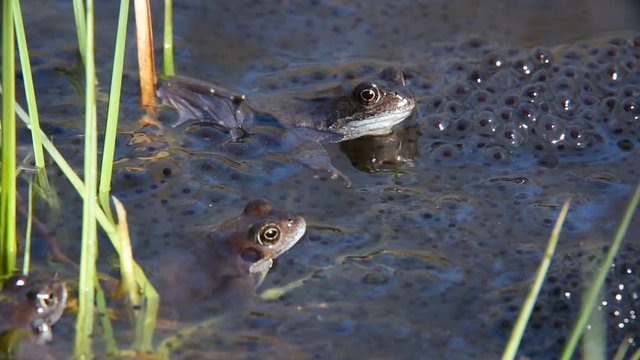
pixel 269 234
pixel 50 300
pixel 367 93
pixel 46 300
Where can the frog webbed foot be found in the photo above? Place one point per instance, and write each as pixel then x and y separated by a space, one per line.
pixel 305 147
pixel 193 99
pixel 318 159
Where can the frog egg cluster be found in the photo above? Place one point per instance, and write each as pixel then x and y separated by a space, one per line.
pixel 560 298
pixel 573 104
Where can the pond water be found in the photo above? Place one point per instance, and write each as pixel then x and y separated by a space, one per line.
pixel 429 254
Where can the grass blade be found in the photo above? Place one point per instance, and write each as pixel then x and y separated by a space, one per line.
pixel 26 262
pixel 146 323
pixel 596 284
pixel 151 295
pixel 127 284
pixel 511 349
pixel 110 344
pixel 108 152
pixel 594 346
pixel 88 256
pixel 81 27
pixel 8 246
pixel 38 152
pixel 622 348
pixel 168 68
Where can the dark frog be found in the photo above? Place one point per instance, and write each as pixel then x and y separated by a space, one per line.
pixel 230 260
pixel 351 110
pixel 27 307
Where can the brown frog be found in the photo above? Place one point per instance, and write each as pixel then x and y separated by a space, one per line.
pixel 231 260
pixel 25 307
pixel 354 109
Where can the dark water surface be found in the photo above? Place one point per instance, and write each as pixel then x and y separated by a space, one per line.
pixel 521 105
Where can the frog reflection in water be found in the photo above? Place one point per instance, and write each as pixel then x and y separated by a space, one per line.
pixel 370 107
pixel 231 261
pixel 26 307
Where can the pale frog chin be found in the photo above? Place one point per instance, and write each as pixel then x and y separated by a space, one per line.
pixel 378 125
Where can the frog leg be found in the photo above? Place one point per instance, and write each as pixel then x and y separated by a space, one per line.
pixel 194 99
pixel 305 146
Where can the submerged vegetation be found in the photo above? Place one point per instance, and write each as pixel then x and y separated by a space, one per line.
pixel 89 291
pixel 8 245
pixel 95 188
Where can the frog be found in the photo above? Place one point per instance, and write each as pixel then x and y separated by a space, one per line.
pixel 358 108
pixel 229 261
pixel 29 309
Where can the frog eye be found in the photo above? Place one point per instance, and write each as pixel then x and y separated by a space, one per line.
pixel 269 234
pixel 15 282
pixel 46 300
pixel 367 93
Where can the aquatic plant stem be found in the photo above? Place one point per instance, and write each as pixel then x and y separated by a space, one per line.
pixel 141 341
pixel 146 318
pixel 81 27
pixel 110 344
pixel 89 250
pixel 622 348
pixel 511 349
pixel 127 282
pixel 146 64
pixel 151 303
pixel 8 246
pixel 590 299
pixel 111 130
pixel 594 341
pixel 168 68
pixel 26 262
pixel 38 152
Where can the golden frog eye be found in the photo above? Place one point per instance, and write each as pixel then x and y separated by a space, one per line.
pixel 367 93
pixel 46 300
pixel 269 234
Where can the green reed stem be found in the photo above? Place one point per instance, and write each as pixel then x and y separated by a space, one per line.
pixel 636 355
pixel 8 246
pixel 88 256
pixel 127 275
pixel 168 68
pixel 38 152
pixel 108 227
pixel 111 130
pixel 110 344
pixel 146 318
pixel 26 263
pixel 128 284
pixel 622 348
pixel 152 299
pixel 81 27
pixel 591 297
pixel 594 341
pixel 511 349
